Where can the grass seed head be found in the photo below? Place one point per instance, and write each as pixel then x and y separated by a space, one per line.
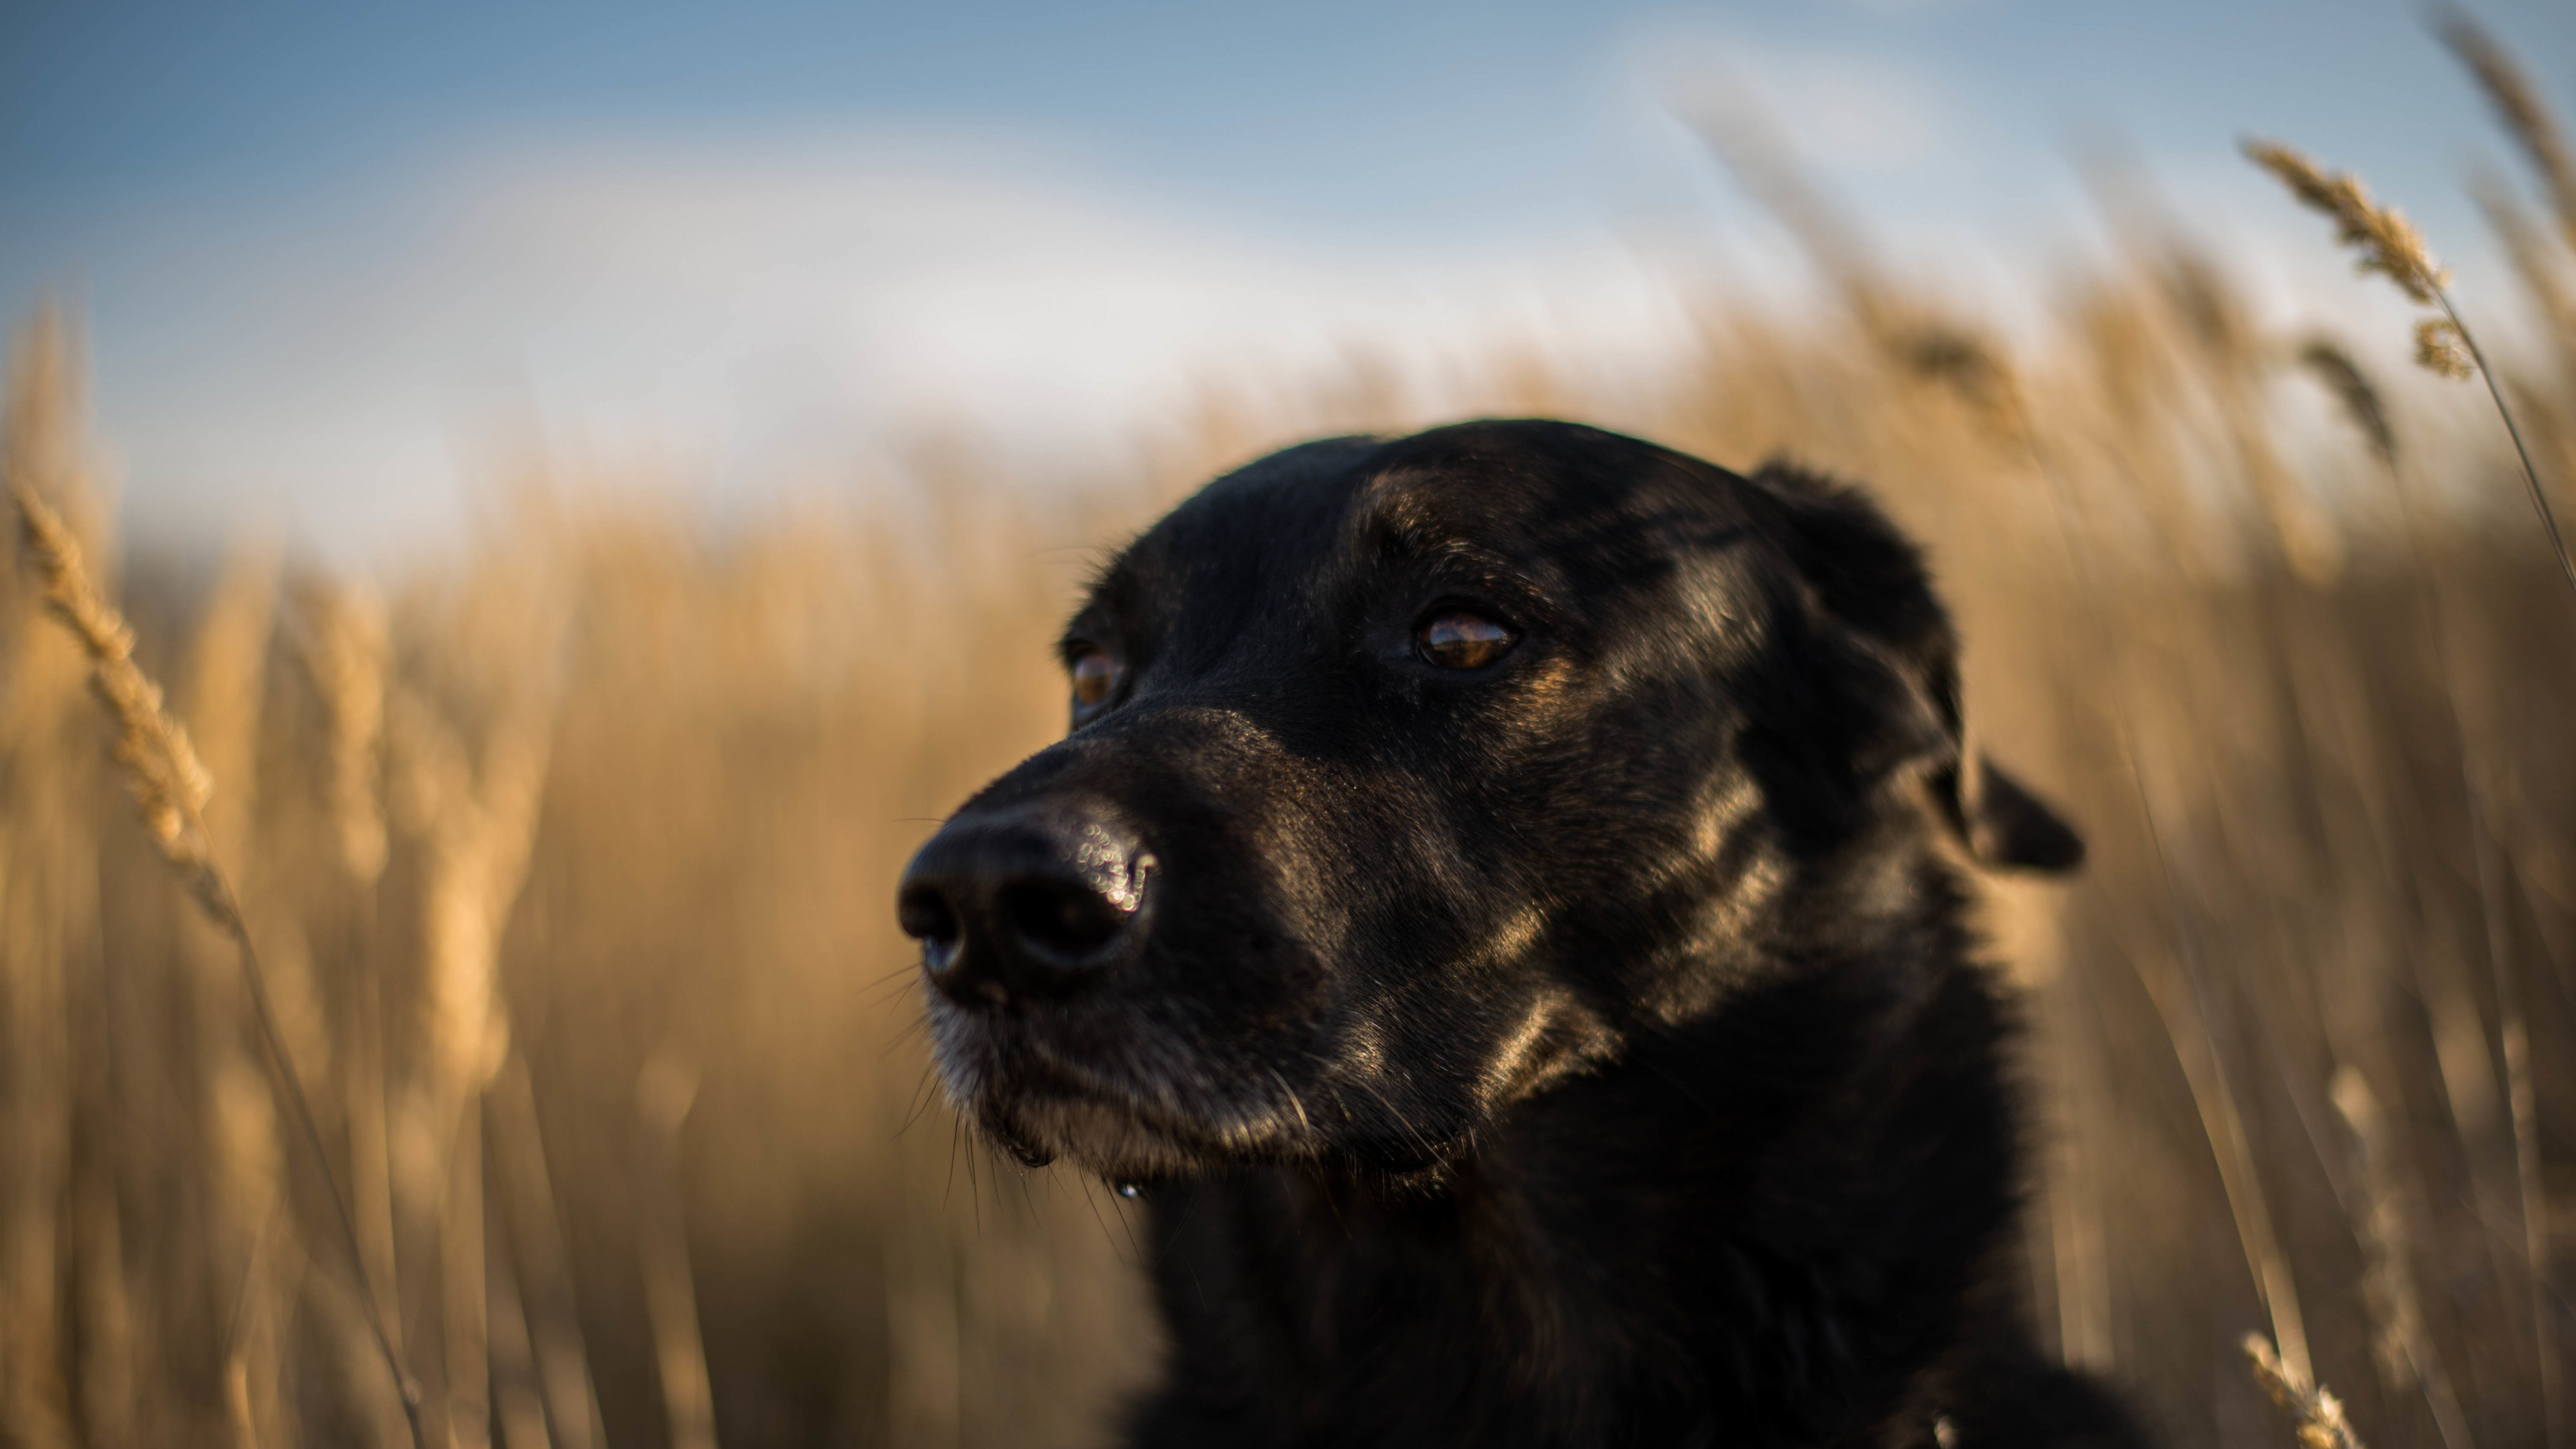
pixel 2388 1282
pixel 1959 360
pixel 2318 1414
pixel 170 786
pixel 2326 360
pixel 2440 349
pixel 2387 241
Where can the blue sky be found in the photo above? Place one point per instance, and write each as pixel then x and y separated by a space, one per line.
pixel 327 253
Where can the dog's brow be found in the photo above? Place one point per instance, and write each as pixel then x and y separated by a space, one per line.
pixel 1401 528
pixel 1459 561
pixel 1113 587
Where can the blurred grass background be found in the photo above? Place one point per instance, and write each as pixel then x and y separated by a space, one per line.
pixel 571 862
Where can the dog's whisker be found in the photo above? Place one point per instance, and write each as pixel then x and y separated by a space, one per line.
pixel 1305 1124
pixel 924 1092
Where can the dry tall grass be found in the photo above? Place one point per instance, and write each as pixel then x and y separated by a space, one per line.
pixel 572 862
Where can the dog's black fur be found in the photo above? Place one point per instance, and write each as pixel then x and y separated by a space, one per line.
pixel 1583 1048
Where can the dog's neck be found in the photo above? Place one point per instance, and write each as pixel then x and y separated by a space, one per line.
pixel 1782 1226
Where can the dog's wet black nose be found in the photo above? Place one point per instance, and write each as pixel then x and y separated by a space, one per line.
pixel 1030 901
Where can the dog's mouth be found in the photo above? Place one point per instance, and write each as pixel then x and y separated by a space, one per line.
pixel 1042 1104
pixel 1117 1143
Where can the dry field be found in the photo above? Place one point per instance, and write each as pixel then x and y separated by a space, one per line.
pixel 569 867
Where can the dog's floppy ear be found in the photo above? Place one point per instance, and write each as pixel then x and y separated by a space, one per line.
pixel 1886 663
pixel 2002 823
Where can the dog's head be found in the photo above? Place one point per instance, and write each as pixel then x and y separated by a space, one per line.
pixel 1406 777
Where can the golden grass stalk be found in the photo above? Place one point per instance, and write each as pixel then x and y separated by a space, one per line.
pixel 2538 259
pixel 2389 244
pixel 2518 105
pixel 1743 137
pixel 171 789
pixel 2315 1410
pixel 543 1267
pixel 664 1092
pixel 2186 1023
pixel 480 819
pixel 2076 1242
pixel 480 835
pixel 464 1291
pixel 340 637
pixel 480 823
pixel 227 676
pixel 250 1184
pixel 226 685
pixel 2385 1228
pixel 2353 391
pixel 108 1380
pixel 345 650
pixel 2388 1282
pixel 516 1402
pixel 2523 1112
pixel 2228 339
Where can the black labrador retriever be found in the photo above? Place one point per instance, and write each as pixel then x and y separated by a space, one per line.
pixel 1498 905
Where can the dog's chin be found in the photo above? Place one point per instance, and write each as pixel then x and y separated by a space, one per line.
pixel 1130 1148
pixel 1041 1104
pixel 1099 1137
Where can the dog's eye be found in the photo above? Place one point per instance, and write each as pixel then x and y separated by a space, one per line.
pixel 1458 639
pixel 1095 674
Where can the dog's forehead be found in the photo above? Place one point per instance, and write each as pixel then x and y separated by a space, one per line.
pixel 1269 521
pixel 1548 496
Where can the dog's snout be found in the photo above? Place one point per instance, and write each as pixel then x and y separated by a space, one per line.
pixel 1026 902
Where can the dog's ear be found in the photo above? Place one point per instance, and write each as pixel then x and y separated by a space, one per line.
pixel 2002 823
pixel 1881 691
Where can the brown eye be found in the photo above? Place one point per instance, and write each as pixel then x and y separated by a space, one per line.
pixel 1457 639
pixel 1094 676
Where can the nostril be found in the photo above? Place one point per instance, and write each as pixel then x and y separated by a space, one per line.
pixel 1062 918
pixel 924 914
